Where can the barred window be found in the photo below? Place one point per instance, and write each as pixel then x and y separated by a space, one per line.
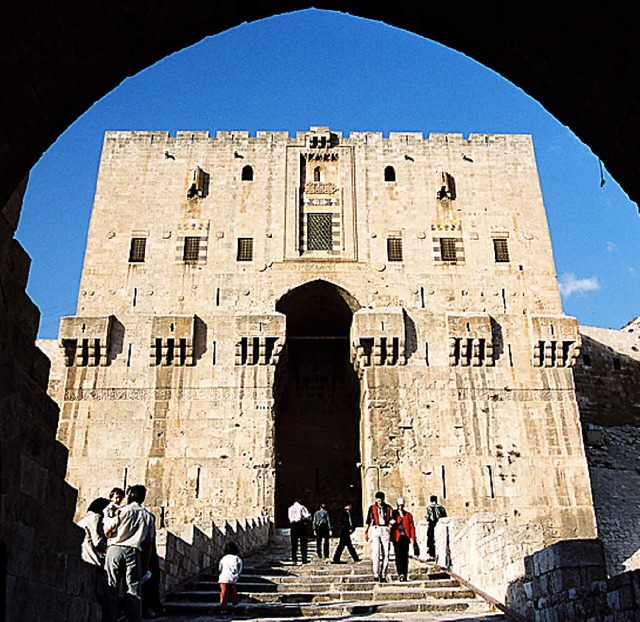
pixel 245 249
pixel 448 249
pixel 137 250
pixel 501 250
pixel 191 249
pixel 319 232
pixel 394 249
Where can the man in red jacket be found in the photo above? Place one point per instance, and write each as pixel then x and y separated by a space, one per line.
pixel 403 535
pixel 379 522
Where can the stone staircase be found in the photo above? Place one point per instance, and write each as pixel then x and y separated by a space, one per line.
pixel 272 587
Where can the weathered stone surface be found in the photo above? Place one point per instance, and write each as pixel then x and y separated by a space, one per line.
pixel 450 398
pixel 39 545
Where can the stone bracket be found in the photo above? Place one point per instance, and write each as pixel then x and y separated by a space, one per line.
pixel 378 338
pixel 556 340
pixel 470 338
pixel 172 340
pixel 86 341
pixel 259 338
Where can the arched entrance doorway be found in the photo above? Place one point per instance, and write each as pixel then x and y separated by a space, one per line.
pixel 317 403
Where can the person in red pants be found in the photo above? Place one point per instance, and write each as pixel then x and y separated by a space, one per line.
pixel 403 535
pixel 230 567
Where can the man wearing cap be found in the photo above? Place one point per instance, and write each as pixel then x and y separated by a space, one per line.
pixel 403 535
pixel 378 524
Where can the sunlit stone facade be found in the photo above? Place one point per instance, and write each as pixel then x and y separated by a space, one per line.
pixel 323 315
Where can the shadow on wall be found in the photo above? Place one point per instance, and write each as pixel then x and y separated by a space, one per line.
pixel 607 380
pixel 186 551
pixel 567 581
pixel 614 471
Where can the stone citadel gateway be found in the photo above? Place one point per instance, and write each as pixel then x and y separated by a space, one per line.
pixel 322 315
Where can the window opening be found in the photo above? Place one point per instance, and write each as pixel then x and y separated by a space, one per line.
pixel 394 249
pixel 448 249
pixel 245 249
pixel 137 250
pixel 501 250
pixel 319 232
pixel 389 173
pixel 191 249
pixel 247 173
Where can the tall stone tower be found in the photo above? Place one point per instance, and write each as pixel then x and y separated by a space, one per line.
pixel 323 316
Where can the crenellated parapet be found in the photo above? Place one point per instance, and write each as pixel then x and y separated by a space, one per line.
pixel 470 337
pixel 172 340
pixel 260 338
pixel 86 341
pixel 556 340
pixel 378 337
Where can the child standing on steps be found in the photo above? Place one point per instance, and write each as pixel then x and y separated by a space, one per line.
pixel 230 567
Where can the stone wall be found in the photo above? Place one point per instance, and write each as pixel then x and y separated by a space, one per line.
pixel 567 581
pixel 463 363
pixel 486 550
pixel 607 375
pixel 186 551
pixel 614 468
pixel 42 576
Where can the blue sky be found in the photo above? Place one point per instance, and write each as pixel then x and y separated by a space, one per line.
pixel 324 68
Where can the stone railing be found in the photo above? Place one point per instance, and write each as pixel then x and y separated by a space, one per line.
pixel 563 581
pixel 185 551
pixel 486 550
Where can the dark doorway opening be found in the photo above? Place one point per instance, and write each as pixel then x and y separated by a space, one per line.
pixel 317 404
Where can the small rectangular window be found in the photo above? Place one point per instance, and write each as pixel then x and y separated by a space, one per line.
pixel 319 232
pixel 501 250
pixel 245 249
pixel 448 249
pixel 137 250
pixel 191 249
pixel 394 249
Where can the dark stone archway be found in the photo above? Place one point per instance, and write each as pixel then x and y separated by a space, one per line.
pixel 57 60
pixel 317 403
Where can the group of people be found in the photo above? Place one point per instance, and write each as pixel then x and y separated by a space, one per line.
pixel 120 537
pixel 384 526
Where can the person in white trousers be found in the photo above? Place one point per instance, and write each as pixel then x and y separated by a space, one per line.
pixel 377 531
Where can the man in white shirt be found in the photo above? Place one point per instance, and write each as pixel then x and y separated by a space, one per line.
pixel 298 517
pixel 129 535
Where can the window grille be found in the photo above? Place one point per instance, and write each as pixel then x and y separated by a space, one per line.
pixel 394 249
pixel 137 250
pixel 501 250
pixel 448 249
pixel 245 249
pixel 319 232
pixel 191 249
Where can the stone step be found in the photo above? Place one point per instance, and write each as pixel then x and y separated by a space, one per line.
pixel 327 592
pixel 343 608
pixel 271 586
pixel 267 584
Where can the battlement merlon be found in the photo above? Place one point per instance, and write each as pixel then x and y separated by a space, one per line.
pixel 408 138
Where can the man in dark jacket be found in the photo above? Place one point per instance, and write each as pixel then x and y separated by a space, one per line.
pixel 434 513
pixel 345 529
pixel 322 530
